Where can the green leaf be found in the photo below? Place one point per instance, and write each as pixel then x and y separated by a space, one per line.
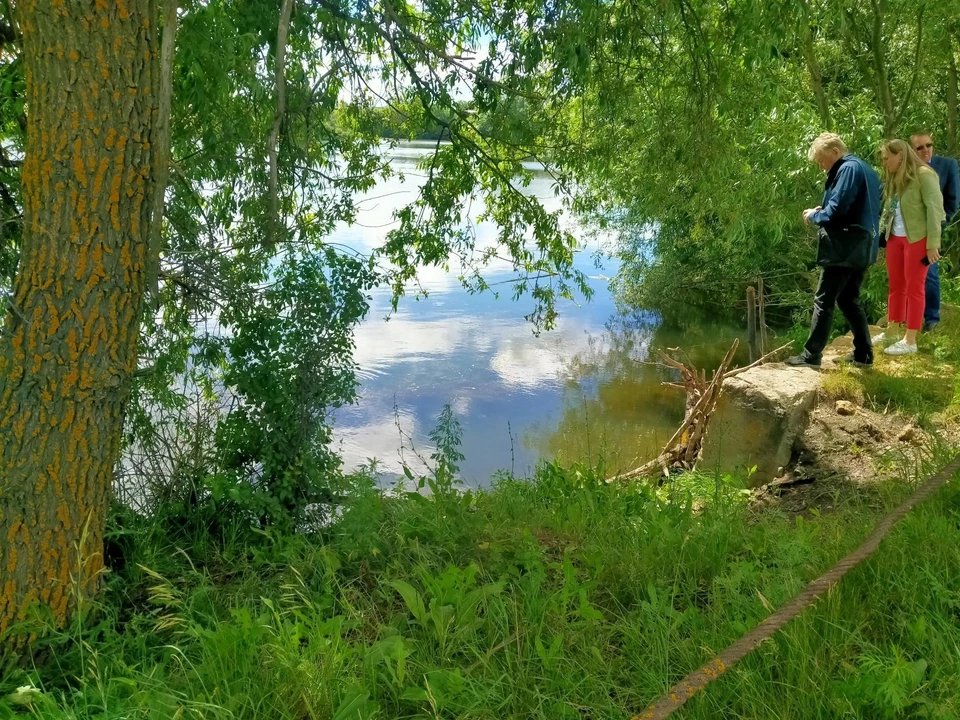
pixel 918 669
pixel 415 694
pixel 355 705
pixel 412 599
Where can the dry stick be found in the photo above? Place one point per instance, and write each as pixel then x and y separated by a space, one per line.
pixel 699 679
pixel 279 64
pixel 752 320
pixel 161 161
pixel 694 446
pixel 660 460
pixel 665 454
pixel 700 421
pixel 701 403
pixel 675 364
pixel 772 353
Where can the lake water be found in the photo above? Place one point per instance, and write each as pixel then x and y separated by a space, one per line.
pixel 581 391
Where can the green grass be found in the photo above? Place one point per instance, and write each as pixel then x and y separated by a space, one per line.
pixel 560 597
pixel 925 385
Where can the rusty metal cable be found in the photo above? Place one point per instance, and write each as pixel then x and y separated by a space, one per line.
pixel 699 679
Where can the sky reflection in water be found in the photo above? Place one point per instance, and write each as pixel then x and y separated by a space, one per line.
pixel 576 392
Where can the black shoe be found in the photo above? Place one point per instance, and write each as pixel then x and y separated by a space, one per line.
pixel 930 326
pixel 851 360
pixel 801 361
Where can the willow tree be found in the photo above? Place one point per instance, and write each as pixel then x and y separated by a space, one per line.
pixel 69 345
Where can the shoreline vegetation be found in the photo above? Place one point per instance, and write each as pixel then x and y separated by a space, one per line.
pixel 546 598
pixel 555 596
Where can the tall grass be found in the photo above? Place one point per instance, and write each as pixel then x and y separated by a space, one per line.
pixel 557 597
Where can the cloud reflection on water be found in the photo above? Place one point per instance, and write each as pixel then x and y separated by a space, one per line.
pixel 516 395
pixel 476 353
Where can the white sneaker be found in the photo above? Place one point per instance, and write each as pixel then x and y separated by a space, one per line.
pixel 900 348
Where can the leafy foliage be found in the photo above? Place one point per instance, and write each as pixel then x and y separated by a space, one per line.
pixel 695 120
pixel 287 363
pixel 679 124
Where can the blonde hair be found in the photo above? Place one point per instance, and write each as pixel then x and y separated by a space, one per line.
pixel 824 143
pixel 895 183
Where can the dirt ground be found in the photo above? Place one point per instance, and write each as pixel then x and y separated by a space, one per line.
pixel 846 448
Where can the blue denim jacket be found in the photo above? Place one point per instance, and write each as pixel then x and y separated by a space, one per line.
pixel 851 198
pixel 949 174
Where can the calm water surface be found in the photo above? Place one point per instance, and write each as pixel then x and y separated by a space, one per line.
pixel 578 392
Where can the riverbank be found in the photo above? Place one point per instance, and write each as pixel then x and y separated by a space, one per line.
pixel 559 597
pixel 865 420
pixel 554 596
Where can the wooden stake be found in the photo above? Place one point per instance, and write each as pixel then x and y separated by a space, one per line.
pixel 752 322
pixel 762 304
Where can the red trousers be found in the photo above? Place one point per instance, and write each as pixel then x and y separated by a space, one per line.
pixel 908 276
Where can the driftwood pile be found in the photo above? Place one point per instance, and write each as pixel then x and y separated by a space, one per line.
pixel 684 450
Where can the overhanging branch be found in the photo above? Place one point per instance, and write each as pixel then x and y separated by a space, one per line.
pixel 917 59
pixel 280 78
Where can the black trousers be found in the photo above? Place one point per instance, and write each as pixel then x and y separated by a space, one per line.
pixel 839 287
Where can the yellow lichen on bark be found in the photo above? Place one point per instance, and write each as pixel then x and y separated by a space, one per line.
pixel 65 373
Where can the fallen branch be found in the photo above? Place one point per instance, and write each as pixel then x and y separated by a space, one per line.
pixel 761 361
pixel 685 448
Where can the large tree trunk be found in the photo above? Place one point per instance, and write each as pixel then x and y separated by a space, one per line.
pixel 69 346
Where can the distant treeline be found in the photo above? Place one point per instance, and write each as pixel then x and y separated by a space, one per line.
pixel 412 122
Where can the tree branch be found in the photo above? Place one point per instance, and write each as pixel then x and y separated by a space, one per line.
pixel 880 67
pixel 917 58
pixel 279 72
pixel 9 32
pixel 7 162
pixel 813 69
pixel 952 92
pixel 853 45
pixel 162 150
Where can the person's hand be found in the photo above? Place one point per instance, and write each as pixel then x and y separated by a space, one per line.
pixel 808 212
pixel 881 257
pixel 933 255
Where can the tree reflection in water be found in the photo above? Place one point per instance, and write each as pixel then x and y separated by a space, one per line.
pixel 615 409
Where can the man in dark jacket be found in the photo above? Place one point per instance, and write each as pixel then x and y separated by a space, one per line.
pixel 848 223
pixel 949 174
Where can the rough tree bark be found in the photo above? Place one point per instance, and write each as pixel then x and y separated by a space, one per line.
pixel 69 345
